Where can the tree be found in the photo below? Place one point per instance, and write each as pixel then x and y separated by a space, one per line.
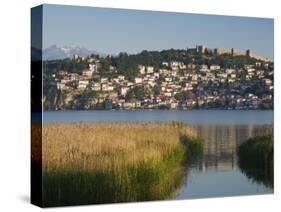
pixel 179 96
pixel 157 89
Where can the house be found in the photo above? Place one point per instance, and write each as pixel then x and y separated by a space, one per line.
pixel 168 94
pixel 138 104
pixel 129 105
pixel 222 75
pixel 149 69
pixel 74 76
pixel 96 87
pixel 174 68
pixel 156 75
pixel 191 66
pixel 103 80
pixel 112 68
pixel 174 73
pixel 250 70
pixel 260 72
pixel 141 69
pixel 151 83
pixel 93 67
pixel 194 77
pixel 61 86
pixel 233 76
pixel 174 105
pixel 267 81
pixel 124 90
pixel 214 67
pixel 62 73
pixel 168 79
pixel 182 66
pixel 83 84
pixel 210 76
pixel 107 87
pixel 116 80
pixel 121 77
pixel 138 80
pixel 163 71
pixel 204 66
pixel 229 70
pixel 88 73
pixel 65 81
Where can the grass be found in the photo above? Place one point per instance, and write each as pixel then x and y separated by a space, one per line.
pixel 86 163
pixel 256 159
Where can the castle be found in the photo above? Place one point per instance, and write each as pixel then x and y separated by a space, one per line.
pixel 234 52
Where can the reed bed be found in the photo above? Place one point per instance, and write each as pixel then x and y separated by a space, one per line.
pixel 106 145
pixel 256 159
pixel 85 163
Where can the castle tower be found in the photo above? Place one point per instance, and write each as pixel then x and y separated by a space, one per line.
pixel 248 53
pixel 216 51
pixel 200 49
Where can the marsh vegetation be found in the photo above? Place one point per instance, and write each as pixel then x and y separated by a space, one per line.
pixel 85 163
pixel 256 155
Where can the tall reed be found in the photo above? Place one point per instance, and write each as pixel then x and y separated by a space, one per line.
pixel 256 159
pixel 85 163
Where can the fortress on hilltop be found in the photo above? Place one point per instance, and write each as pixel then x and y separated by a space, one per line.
pixel 231 51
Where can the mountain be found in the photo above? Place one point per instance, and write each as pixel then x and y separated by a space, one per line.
pixel 54 52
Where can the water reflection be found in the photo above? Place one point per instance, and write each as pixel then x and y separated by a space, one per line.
pixel 217 172
pixel 221 142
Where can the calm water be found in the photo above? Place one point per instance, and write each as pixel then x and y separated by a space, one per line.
pixel 193 117
pixel 217 173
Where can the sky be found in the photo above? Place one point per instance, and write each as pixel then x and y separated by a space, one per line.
pixel 110 31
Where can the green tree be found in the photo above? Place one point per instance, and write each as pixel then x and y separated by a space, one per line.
pixel 157 89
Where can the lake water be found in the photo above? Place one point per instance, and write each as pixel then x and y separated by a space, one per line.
pixel 209 117
pixel 217 173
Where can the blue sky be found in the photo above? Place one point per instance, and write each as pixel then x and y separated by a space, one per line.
pixel 111 31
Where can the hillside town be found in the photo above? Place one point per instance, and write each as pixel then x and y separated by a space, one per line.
pixel 174 85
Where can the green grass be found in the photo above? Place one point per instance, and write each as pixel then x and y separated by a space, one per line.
pixel 256 159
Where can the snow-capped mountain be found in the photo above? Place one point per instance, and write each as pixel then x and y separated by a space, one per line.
pixel 54 52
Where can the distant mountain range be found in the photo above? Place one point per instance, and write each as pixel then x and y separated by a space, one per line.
pixel 54 52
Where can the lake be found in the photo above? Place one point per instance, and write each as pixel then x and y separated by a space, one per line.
pixel 216 173
pixel 192 117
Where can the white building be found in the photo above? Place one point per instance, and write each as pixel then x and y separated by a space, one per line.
pixel 141 69
pixel 168 79
pixel 88 73
pixel 138 80
pixel 61 86
pixel 121 77
pixel 229 71
pixel 103 80
pixel 83 84
pixel 124 90
pixel 149 69
pixel 214 67
pixel 107 87
pixel 93 67
pixel 96 87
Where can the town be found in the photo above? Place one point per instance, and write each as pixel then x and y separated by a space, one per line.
pixel 176 84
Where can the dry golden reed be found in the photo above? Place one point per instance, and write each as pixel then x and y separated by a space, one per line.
pixel 102 146
pixel 86 163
